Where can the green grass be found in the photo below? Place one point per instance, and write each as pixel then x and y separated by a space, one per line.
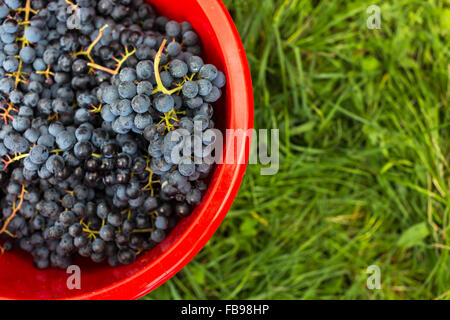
pixel 364 176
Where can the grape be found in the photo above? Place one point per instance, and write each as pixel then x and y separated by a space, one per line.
pixel 33 34
pixel 127 90
pixel 39 154
pixel 11 64
pixel 194 103
pixel 27 54
pixel 220 80
pixel 85 251
pixel 16 96
pixel 46 140
pixel 140 103
pixel 106 113
pixel 144 69
pixel 30 165
pixel 81 241
pixel 125 122
pixel 126 256
pixel 39 64
pixel 204 87
pixel 122 108
pixel 128 74
pixel 190 89
pixel 208 72
pixel 194 197
pixel 4 10
pixel 173 29
pixel 54 163
pixel 16 143
pixel 154 149
pixel 99 136
pixel 84 137
pixel 174 49
pixel 6 85
pixel 178 68
pixel 186 167
pixel 67 218
pixel 11 49
pixel 142 121
pixel 107 233
pixel 164 103
pixel 161 223
pixel 83 149
pixel 83 133
pixel 75 229
pixel 214 95
pixel 31 99
pixel 55 128
pixel 158 235
pixel 65 140
pixel 3 151
pixel 150 204
pixel 166 79
pixel 13 4
pixel 7 37
pixel 130 147
pixel 159 165
pixel 145 87
pixel 21 123
pixel 98 245
pixel 35 87
pixel 110 94
pixel 195 64
pixel 182 209
pixel 190 38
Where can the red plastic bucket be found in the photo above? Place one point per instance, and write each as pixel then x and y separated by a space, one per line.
pixel 220 39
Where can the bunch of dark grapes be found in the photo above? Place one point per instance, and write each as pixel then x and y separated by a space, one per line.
pixel 91 95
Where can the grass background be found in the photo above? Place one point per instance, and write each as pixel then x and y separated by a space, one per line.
pixel 364 176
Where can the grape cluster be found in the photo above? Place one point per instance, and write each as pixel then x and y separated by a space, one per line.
pixel 92 94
